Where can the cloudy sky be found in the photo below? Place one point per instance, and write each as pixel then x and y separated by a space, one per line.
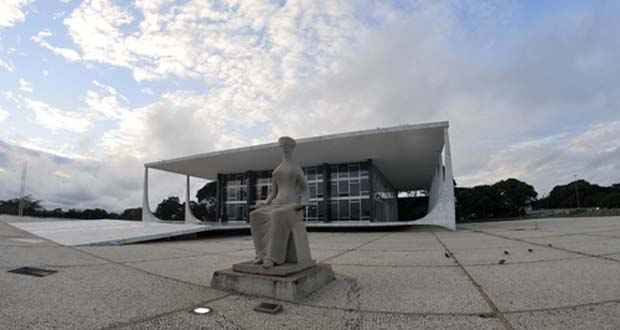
pixel 90 90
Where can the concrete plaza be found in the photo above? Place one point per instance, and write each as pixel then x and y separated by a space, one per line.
pixel 557 273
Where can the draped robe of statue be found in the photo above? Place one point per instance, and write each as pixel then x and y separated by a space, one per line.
pixel 272 221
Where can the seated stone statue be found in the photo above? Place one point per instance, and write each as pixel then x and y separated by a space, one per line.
pixel 277 222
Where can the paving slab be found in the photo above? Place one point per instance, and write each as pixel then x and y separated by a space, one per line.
pixel 317 254
pixel 607 233
pixel 390 289
pixel 237 312
pixel 394 258
pixel 92 297
pixel 526 232
pixel 550 284
pixel 474 240
pixel 207 246
pixel 595 245
pixel 599 316
pixel 354 238
pixel 137 252
pixel 387 244
pixel 25 241
pixel 516 254
pixel 389 321
pixel 198 270
pixel 334 245
pixel 18 256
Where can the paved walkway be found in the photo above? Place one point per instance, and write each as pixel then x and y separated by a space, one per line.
pixel 556 273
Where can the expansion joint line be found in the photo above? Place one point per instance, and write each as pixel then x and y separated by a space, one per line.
pixel 496 312
pixel 548 246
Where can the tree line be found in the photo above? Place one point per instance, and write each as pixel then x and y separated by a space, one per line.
pixel 510 198
pixel 168 209
pixel 504 199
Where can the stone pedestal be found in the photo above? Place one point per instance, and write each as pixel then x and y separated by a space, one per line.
pixel 291 287
pixel 279 270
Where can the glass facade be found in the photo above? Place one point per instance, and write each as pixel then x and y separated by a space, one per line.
pixel 351 193
pixel 236 196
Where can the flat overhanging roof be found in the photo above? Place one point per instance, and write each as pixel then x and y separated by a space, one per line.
pixel 407 155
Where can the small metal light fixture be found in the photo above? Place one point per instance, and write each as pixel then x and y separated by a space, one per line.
pixel 201 310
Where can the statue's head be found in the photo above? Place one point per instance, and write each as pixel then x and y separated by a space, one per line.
pixel 287 144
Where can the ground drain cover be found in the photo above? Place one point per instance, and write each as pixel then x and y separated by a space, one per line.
pixel 33 271
pixel 268 308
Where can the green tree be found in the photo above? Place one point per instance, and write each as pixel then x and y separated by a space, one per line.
pixel 504 199
pixel 207 202
pixel 31 206
pixel 514 196
pixel 170 209
pixel 132 214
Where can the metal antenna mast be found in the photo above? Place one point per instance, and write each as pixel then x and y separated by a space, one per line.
pixel 22 191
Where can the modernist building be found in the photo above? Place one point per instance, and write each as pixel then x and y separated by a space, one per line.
pixel 352 177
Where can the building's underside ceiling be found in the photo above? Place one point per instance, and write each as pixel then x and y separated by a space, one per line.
pixel 407 155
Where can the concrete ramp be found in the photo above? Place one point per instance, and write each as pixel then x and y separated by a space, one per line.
pixel 119 232
pixel 104 232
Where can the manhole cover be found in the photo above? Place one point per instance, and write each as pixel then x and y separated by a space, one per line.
pixel 33 271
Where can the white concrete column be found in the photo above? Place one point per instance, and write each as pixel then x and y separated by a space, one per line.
pixel 189 216
pixel 441 211
pixel 147 215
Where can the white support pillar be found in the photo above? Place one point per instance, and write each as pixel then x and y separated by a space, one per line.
pixel 147 215
pixel 190 219
pixel 441 208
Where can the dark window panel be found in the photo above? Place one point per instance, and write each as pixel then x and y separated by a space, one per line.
pixel 355 188
pixel 343 171
pixel 366 207
pixel 365 186
pixel 334 209
pixel 354 171
pixel 343 209
pixel 355 210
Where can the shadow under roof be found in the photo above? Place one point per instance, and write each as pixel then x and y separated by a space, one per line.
pixel 407 155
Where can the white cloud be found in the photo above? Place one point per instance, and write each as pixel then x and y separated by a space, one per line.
pixel 95 27
pixel 67 53
pixel 12 12
pixel 106 101
pixel 6 66
pixel 56 119
pixel 25 86
pixel 178 124
pixel 3 115
pixel 593 154
pixel 247 53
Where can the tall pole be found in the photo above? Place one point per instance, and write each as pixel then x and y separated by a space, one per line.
pixel 22 191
